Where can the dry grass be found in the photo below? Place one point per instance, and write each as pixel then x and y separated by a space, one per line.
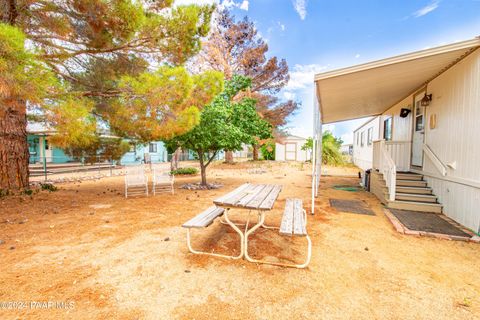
pixel 87 244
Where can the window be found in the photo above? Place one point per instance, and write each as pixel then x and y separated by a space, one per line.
pixel 370 136
pixel 152 148
pixel 358 138
pixel 387 129
pixel 362 138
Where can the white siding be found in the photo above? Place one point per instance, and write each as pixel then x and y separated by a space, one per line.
pixel 456 103
pixel 363 155
pixel 279 152
pixel 402 127
pixel 460 202
pixel 454 140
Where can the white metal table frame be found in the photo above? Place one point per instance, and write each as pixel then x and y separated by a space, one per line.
pixel 263 198
pixel 242 242
pixel 260 224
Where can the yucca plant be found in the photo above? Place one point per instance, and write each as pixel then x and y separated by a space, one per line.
pixel 330 149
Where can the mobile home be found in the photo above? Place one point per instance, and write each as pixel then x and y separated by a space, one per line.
pixel 428 105
pixel 363 138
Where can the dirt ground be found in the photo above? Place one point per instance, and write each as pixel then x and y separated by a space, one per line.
pixel 107 257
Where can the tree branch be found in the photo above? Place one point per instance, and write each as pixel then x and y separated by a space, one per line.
pixel 213 156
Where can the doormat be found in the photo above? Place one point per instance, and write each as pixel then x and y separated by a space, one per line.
pixel 347 188
pixel 351 206
pixel 428 222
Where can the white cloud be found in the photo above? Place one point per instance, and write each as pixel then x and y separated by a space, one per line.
pixel 244 5
pixel 427 9
pixel 301 76
pixel 281 26
pixel 228 4
pixel 289 95
pixel 301 8
pixel 232 4
pixel 357 56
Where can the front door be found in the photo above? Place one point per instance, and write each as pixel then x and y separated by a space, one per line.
pixel 418 131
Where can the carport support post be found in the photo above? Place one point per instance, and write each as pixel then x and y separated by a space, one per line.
pixel 313 174
pixel 316 149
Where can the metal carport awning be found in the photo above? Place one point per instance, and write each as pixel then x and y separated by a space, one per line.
pixel 372 88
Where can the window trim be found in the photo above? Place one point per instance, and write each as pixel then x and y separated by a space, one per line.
pixel 151 149
pixel 369 136
pixel 388 120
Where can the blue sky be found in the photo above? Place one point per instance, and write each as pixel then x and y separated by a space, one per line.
pixel 320 35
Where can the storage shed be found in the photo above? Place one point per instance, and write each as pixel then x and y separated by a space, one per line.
pixel 291 149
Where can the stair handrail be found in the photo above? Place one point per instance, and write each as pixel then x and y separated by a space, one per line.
pixel 435 160
pixel 389 170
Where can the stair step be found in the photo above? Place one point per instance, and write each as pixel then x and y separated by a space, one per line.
pixel 414 190
pixel 416 206
pixel 409 176
pixel 416 197
pixel 411 183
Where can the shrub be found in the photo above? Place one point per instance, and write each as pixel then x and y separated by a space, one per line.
pixel 184 171
pixel 268 150
pixel 48 186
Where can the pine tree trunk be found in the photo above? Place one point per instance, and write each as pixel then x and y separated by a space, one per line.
pixel 13 146
pixel 255 151
pixel 229 156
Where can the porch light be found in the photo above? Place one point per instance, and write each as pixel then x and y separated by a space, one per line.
pixel 426 100
pixel 404 112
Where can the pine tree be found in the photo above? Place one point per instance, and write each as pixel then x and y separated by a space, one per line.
pixel 95 56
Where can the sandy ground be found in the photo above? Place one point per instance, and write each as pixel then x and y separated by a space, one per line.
pixel 108 257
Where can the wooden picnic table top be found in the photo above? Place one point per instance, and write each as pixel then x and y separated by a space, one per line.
pixel 251 196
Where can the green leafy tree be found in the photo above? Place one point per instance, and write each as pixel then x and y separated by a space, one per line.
pixel 224 125
pixel 330 148
pixel 96 57
pixel 236 47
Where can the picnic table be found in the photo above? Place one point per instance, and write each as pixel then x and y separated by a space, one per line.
pixel 249 196
pixel 253 197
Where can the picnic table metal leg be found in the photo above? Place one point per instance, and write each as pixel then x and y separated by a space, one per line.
pixel 242 241
pixel 269 227
pixel 258 225
pixel 261 219
pixel 235 223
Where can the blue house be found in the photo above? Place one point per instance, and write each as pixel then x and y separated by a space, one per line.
pixel 41 150
pixel 153 152
pixel 39 147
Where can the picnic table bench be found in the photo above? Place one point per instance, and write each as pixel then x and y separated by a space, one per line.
pixel 259 197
